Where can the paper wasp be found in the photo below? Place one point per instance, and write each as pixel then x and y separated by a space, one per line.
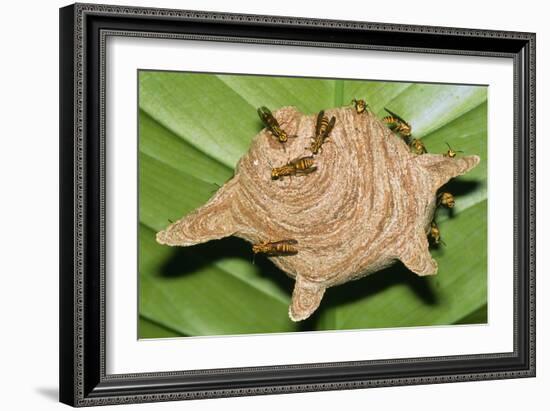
pixel 434 234
pixel 451 153
pixel 446 199
pixel 276 248
pixel 322 131
pixel 298 166
pixel 398 125
pixel 417 146
pixel 360 106
pixel 271 123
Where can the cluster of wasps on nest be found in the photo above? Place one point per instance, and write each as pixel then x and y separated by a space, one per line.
pixel 299 166
pixel 404 130
pixel 304 165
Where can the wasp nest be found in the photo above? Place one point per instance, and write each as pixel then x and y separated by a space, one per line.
pixel 369 203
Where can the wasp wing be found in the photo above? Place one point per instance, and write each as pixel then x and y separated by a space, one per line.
pixel 396 116
pixel 306 170
pixel 289 241
pixel 265 110
pixel 320 117
pixel 262 116
pixel 330 126
pixel 267 118
pixel 298 159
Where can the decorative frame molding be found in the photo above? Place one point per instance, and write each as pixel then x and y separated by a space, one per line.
pixel 83 32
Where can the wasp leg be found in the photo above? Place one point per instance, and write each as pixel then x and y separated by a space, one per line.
pixel 289 182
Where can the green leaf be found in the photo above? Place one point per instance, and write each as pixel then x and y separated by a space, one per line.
pixel 167 194
pixel 164 146
pixel 150 329
pixel 478 316
pixel 190 293
pixel 193 130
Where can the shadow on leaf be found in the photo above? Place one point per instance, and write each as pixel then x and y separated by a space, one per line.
pixel 186 260
pixel 371 285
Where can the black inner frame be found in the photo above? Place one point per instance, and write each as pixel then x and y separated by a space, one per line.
pixel 100 386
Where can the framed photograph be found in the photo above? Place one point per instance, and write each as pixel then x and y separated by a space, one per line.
pixel 259 204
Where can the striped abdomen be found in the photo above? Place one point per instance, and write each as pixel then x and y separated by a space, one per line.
pixel 303 163
pixel 398 126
